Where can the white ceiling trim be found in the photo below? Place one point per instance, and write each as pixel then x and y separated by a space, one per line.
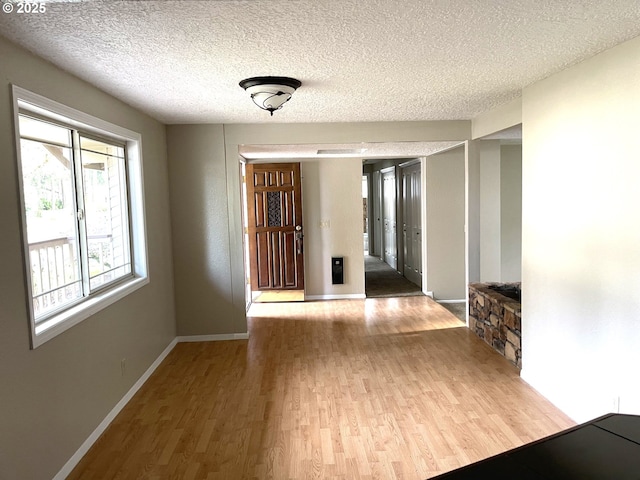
pixel 364 151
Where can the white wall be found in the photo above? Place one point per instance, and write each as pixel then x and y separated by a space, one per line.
pixel 53 397
pixel 490 206
pixel 332 194
pixel 581 234
pixel 472 210
pixel 511 213
pixel 497 119
pixel 500 211
pixel 445 203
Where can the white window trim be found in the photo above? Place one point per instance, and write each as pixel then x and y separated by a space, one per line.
pixel 50 328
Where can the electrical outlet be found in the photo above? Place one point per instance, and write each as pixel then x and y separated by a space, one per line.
pixel 123 366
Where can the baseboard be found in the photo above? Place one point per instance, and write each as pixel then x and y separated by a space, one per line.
pixel 351 296
pixel 88 443
pixel 213 338
pixel 428 294
pixel 464 300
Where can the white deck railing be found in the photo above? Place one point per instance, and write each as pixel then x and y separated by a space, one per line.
pixel 54 270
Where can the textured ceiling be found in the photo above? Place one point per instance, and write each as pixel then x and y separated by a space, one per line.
pixel 358 60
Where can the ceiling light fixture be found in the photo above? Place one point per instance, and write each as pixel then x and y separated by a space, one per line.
pixel 270 93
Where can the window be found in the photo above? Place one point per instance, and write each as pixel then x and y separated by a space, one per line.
pixel 83 223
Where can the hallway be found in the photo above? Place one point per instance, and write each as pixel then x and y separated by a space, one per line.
pixel 383 281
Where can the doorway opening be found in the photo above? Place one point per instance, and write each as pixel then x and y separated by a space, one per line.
pixel 392 189
pixel 335 208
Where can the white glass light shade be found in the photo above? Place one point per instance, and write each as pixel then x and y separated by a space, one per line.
pixel 270 97
pixel 270 93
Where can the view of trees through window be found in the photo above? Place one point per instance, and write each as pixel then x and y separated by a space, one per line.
pixel 77 221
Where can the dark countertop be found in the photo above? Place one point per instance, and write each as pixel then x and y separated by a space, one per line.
pixel 607 448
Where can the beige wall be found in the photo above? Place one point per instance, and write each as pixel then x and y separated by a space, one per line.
pixel 445 225
pixel 332 192
pixel 200 229
pixel 581 235
pixel 53 397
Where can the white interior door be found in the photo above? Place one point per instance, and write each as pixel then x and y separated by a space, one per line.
pixel 389 217
pixel 412 223
pixel 376 248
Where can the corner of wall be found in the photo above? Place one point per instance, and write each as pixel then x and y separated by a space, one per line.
pixel 497 119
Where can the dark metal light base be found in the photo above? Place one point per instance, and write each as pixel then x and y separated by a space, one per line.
pixel 253 81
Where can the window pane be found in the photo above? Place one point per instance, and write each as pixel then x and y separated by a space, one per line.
pixel 91 145
pixel 47 178
pixel 44 131
pixel 106 213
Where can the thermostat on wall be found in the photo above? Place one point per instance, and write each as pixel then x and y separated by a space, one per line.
pixel 337 270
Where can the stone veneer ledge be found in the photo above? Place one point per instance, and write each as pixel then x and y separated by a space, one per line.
pixel 496 319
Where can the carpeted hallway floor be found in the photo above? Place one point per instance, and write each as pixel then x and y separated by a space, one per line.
pixel 380 280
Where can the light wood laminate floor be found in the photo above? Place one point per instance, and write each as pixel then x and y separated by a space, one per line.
pixel 393 388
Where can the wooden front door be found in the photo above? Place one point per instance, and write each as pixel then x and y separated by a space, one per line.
pixel 274 204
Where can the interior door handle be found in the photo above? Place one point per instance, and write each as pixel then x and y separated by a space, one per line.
pixel 299 237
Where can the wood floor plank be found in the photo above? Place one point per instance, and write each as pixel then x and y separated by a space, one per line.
pixel 355 389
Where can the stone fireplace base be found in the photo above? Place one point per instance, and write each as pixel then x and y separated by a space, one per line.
pixel 497 318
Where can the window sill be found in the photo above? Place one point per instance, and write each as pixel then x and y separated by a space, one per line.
pixel 57 324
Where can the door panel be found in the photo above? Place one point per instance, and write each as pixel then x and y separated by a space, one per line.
pixel 288 243
pixel 289 209
pixel 259 210
pixel 275 226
